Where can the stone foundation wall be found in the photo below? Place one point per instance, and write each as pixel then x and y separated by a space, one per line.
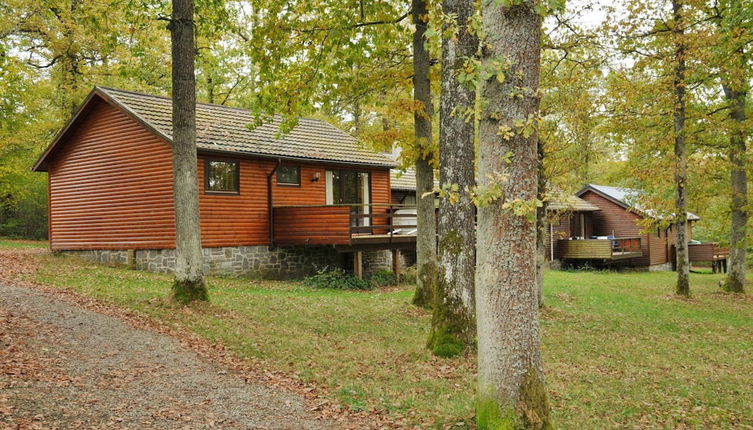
pixel 283 262
pixel 374 261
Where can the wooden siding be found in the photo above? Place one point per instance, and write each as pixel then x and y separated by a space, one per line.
pixel 615 220
pixel 317 225
pixel 236 219
pixel 110 185
pixel 242 219
pixel 567 225
pixel 308 193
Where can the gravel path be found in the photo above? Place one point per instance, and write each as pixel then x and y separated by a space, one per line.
pixel 63 366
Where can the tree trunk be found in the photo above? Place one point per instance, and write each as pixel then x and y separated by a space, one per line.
pixel 541 223
pixel 70 62
pixel 511 391
pixel 426 242
pixel 189 280
pixel 735 281
pixel 453 324
pixel 681 161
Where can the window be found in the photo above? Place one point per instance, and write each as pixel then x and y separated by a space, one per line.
pixel 289 175
pixel 221 176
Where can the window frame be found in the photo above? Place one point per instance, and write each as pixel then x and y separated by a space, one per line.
pixel 208 161
pixel 288 184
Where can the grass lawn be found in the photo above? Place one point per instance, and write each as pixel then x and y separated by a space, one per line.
pixel 619 350
pixel 6 243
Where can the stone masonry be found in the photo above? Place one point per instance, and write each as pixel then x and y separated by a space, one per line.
pixel 260 262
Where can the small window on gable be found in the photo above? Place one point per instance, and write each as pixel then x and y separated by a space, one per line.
pixel 222 176
pixel 289 175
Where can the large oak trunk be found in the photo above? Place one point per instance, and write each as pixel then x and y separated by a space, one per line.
pixel 453 324
pixel 511 391
pixel 681 161
pixel 735 281
pixel 426 244
pixel 189 280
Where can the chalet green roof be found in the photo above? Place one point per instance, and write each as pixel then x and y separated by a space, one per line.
pixel 223 128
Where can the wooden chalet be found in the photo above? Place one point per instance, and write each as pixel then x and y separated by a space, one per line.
pixel 611 229
pixel 110 182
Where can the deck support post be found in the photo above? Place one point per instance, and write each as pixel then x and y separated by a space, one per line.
pixel 396 264
pixel 358 264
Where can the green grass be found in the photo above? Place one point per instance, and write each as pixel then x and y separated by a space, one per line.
pixel 21 243
pixel 620 351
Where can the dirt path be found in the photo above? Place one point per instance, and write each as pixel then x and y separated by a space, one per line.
pixel 63 366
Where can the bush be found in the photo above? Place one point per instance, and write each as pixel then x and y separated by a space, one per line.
pixel 408 276
pixel 25 216
pixel 382 278
pixel 336 279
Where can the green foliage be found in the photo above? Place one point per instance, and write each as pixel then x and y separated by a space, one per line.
pixel 382 278
pixel 336 279
pixel 25 216
pixel 408 276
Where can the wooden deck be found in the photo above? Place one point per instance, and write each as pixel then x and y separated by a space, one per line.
pixel 347 227
pixel 705 253
pixel 620 248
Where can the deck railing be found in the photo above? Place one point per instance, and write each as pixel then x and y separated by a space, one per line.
pixel 600 249
pixel 342 224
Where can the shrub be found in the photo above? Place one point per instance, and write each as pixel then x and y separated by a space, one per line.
pixel 336 279
pixel 382 278
pixel 408 276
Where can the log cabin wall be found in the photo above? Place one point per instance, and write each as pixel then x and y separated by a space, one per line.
pixel 110 185
pixel 242 219
pixel 559 229
pixel 614 219
pixel 236 219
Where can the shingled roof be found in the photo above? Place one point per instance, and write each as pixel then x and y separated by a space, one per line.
pixel 627 198
pixel 225 129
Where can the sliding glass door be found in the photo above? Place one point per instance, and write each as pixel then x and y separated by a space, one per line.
pixel 349 187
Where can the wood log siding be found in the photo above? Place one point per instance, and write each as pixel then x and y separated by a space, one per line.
pixel 110 186
pixel 317 225
pixel 236 219
pixel 614 219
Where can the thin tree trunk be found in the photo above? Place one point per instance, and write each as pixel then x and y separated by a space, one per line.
pixel 735 281
pixel 189 280
pixel 70 63
pixel 453 324
pixel 681 161
pixel 541 223
pixel 511 390
pixel 426 242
